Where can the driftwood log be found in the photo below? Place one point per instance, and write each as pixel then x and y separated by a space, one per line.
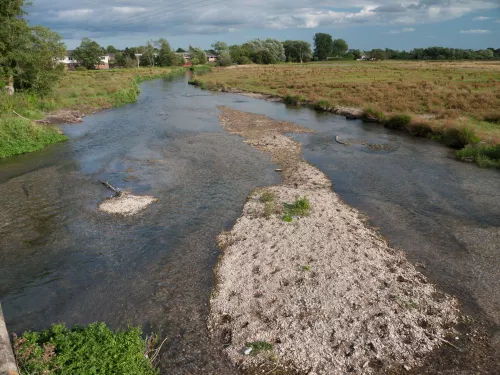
pixel 113 189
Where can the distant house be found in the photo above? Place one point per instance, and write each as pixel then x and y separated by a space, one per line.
pixel 71 63
pixel 211 58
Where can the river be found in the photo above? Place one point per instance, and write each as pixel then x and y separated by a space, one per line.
pixel 61 260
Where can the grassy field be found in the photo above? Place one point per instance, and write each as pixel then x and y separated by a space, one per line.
pixel 87 91
pixel 439 95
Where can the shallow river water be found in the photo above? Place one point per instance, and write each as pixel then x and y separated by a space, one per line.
pixel 61 260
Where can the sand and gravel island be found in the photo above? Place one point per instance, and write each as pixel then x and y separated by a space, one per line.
pixel 305 285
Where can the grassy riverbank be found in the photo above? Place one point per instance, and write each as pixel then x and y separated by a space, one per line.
pixel 86 92
pixel 456 102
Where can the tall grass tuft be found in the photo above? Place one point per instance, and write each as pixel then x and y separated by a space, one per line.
pixel 18 136
pixel 485 156
pixel 459 137
pixel 398 122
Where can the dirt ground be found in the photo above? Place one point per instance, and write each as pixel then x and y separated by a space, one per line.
pixel 323 294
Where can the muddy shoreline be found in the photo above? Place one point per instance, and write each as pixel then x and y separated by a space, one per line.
pixel 290 284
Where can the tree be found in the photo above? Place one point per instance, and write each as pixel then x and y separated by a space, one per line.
pixel 180 50
pixel 297 50
pixel 224 59
pixel 356 53
pixel 89 54
pixel 198 56
pixel 239 54
pixel 220 47
pixel 111 49
pixel 323 46
pixel 269 51
pixel 339 47
pixel 28 55
pixel 166 56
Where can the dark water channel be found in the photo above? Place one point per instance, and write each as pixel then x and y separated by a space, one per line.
pixel 62 260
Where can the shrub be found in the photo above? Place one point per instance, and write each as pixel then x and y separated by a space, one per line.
pixel 294 100
pixel 322 105
pixel 420 129
pixel 301 207
pixel 267 196
pixel 94 349
pixel 80 69
pixel 259 346
pixel 485 156
pixel 371 114
pixel 459 137
pixel 398 122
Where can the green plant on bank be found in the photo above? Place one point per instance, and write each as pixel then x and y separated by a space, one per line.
pixel 301 207
pixel 322 105
pixel 94 349
pixel 306 268
pixel 294 99
pixel 259 346
pixel 371 113
pixel 18 136
pixel 398 122
pixel 201 69
pixel 267 196
pixel 485 156
pixel 459 137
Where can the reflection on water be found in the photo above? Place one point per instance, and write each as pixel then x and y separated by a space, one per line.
pixel 62 260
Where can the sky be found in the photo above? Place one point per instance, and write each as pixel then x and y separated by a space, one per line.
pixel 364 24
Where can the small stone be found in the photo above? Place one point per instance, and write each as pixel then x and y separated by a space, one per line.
pixel 247 351
pixel 407 368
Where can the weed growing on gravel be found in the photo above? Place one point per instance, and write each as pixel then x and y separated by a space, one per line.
pixel 267 196
pixel 94 349
pixel 268 210
pixel 259 346
pixel 306 268
pixel 301 207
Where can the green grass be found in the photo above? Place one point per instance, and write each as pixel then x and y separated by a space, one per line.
pixel 259 346
pixel 485 156
pixel 459 137
pixel 301 207
pixel 18 136
pixel 90 350
pixel 267 196
pixel 398 122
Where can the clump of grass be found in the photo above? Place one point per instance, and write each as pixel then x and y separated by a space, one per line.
pixel 259 346
pixel 485 156
pixel 201 69
pixel 94 349
pixel 301 207
pixel 294 99
pixel 322 105
pixel 18 136
pixel 267 196
pixel 459 137
pixel 420 128
pixel 372 114
pixel 398 122
pixel 306 268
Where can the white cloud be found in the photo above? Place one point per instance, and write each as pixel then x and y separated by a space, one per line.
pixel 404 30
pixel 475 31
pixel 481 18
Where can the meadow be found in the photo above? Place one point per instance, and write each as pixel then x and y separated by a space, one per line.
pixel 85 91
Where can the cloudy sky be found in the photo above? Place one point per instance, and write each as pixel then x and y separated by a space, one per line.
pixel 364 24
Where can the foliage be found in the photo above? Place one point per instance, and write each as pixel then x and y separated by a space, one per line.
pixel 220 47
pixel 459 137
pixel 259 346
pixel 485 156
pixel 297 51
pixel 224 59
pixel 180 50
pixel 339 47
pixel 18 136
pixel 398 122
pixel 27 53
pixel 198 56
pixel 166 57
pixel 269 51
pixel 323 46
pixel 94 349
pixel 371 113
pixel 111 49
pixel 267 196
pixel 239 54
pixel 89 54
pixel 322 105
pixel 300 207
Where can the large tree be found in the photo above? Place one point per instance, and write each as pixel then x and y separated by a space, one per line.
pixel 220 47
pixel 166 57
pixel 339 47
pixel 323 46
pixel 28 55
pixel 89 54
pixel 198 56
pixel 268 51
pixel 297 50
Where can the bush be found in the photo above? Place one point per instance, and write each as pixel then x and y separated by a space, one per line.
pixel 81 69
pixel 294 99
pixel 83 351
pixel 398 122
pixel 459 137
pixel 322 105
pixel 484 156
pixel 224 59
pixel 420 129
pixel 372 114
pixel 301 207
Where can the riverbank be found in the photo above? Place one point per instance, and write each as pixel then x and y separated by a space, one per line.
pixel 451 103
pixel 316 290
pixel 26 120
